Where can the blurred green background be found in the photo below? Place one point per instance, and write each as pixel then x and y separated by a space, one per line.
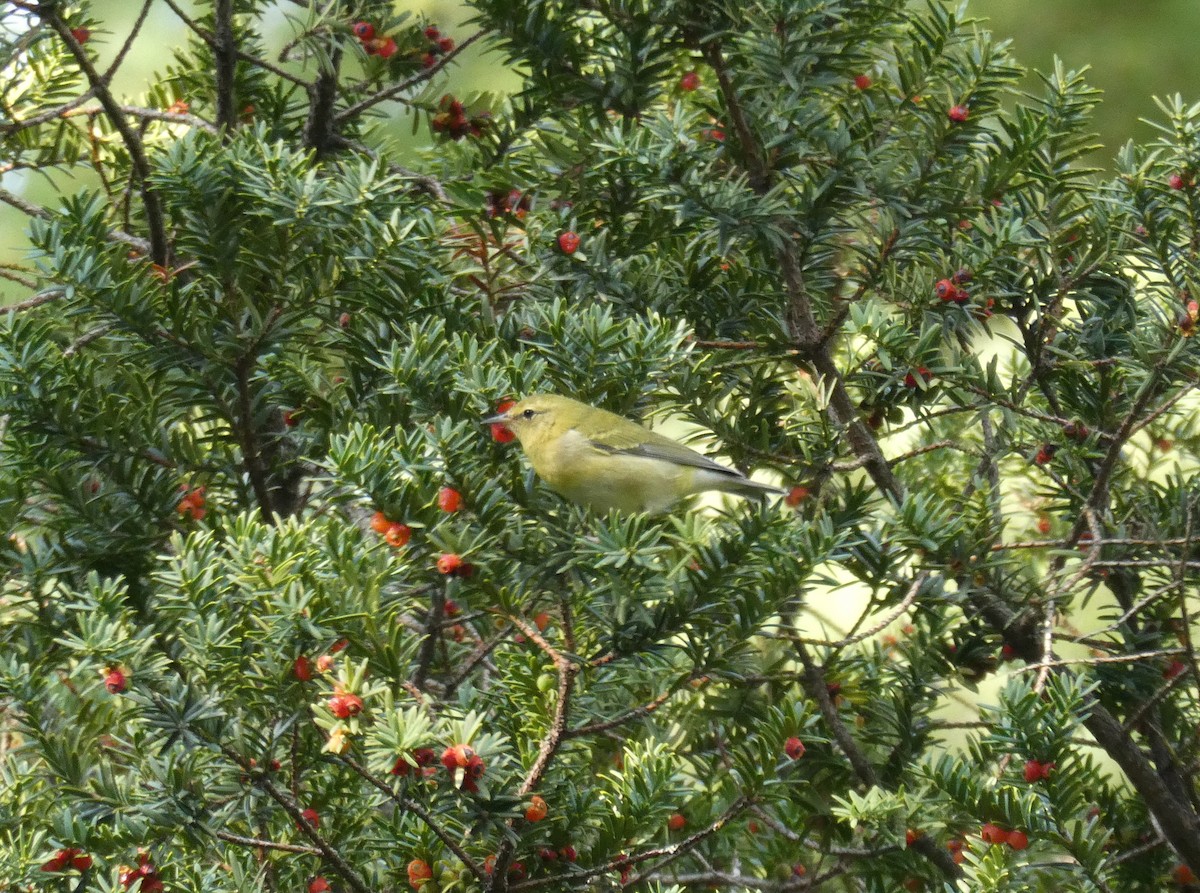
pixel 1135 51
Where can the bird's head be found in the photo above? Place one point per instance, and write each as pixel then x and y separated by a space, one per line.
pixel 540 418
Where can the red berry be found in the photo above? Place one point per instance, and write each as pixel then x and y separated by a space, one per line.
pixel 325 663
pixel 955 847
pixel 81 861
pixel 1176 181
pixel 397 534
pixel 958 113
pixel 60 860
pixel 1174 668
pixel 1045 453
pixel 449 500
pixel 363 30
pixel 536 810
pixel 1181 874
pixel 1018 840
pixel 689 82
pixel 993 834
pixel 302 668
pixel 500 433
pixel 385 47
pixel 862 82
pixel 568 242
pixel 715 134
pixel 319 885
pixel 1035 771
pixel 457 756
pixel 344 320
pixel 911 836
pixel 1043 524
pixel 380 522
pixel 289 418
pixel 795 496
pixel 568 853
pixel 794 748
pixel 81 35
pixel 449 563
pixel 798 870
pixel 445 44
pixel 345 706
pixel 547 855
pixel 428 60
pixel 418 873
pixel 311 817
pixel 945 290
pixel 676 822
pixel 432 32
pixel 910 380
pixel 114 680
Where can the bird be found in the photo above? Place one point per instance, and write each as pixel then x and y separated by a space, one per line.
pixel 599 459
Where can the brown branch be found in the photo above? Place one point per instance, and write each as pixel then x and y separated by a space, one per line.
pixel 267 844
pixel 155 222
pixel 432 630
pixel 616 865
pixel 244 423
pixel 335 859
pixel 628 716
pixel 224 49
pixel 420 812
pixel 209 39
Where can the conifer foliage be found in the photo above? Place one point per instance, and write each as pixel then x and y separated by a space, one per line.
pixel 279 614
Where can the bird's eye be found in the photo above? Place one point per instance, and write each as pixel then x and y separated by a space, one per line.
pixel 529 413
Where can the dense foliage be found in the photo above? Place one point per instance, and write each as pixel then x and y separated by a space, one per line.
pixel 279 614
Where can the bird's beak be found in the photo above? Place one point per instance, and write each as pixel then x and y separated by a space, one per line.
pixel 495 420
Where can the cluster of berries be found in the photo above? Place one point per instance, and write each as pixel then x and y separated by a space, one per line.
pixel 383 47
pixel 70 857
pixel 438 45
pixel 145 872
pixel 191 504
pixel 452 120
pixel 948 290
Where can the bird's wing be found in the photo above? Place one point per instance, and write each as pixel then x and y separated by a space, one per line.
pixel 665 450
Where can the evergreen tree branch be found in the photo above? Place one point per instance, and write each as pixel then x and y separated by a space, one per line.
pixel 395 91
pixel 224 47
pixel 420 812
pixel 320 129
pixel 324 847
pixel 155 223
pixel 203 33
pixel 267 844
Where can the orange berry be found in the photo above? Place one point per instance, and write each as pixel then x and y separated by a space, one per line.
pixel 449 563
pixel 1018 840
pixel 794 748
pixel 676 822
pixel 536 810
pixel 449 500
pixel 418 873
pixel 796 495
pixel 397 534
pixel 380 522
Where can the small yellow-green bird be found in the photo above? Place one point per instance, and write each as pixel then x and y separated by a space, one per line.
pixel 596 458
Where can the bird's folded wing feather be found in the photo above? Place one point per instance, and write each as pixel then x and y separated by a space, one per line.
pixel 667 451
